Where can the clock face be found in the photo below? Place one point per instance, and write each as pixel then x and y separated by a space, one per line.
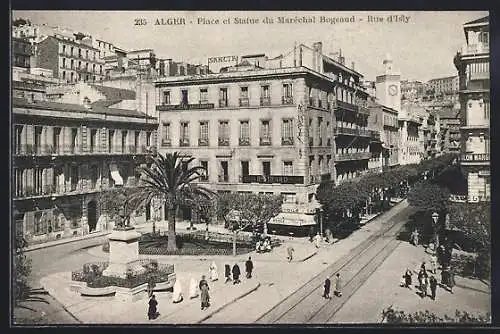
pixel 393 90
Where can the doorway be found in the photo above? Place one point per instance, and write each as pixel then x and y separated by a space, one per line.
pixel 92 215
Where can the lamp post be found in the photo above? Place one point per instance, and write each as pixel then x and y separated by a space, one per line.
pixel 319 213
pixel 435 218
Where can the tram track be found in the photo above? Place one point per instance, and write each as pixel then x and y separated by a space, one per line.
pixel 305 305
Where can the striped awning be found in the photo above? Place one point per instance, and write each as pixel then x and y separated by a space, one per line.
pixel 293 219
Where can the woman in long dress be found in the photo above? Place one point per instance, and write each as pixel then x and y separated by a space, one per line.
pixel 214 275
pixel 177 295
pixel 205 297
pixel 193 289
pixel 152 312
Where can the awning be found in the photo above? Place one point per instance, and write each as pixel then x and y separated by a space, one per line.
pixel 293 219
pixel 115 174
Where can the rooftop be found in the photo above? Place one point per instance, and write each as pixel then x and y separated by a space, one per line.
pixel 113 93
pixel 485 19
pixel 448 113
pixel 96 109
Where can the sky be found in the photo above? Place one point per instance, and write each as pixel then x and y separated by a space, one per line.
pixel 422 47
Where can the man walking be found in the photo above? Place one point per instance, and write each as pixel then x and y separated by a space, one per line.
pixel 433 284
pixel 338 285
pixel 236 274
pixel 290 251
pixel 249 267
pixel 326 293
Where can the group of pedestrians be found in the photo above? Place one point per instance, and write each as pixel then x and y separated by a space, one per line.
pixel 426 279
pixel 202 288
pixel 338 287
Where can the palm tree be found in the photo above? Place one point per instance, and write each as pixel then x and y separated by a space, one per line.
pixel 171 179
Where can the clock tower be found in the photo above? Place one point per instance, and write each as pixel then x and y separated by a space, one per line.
pixel 388 86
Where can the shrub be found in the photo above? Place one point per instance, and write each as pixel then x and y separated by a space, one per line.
pixel 22 271
pixel 393 316
pixel 474 266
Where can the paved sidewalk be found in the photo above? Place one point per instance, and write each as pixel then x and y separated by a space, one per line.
pixel 282 279
pixel 382 290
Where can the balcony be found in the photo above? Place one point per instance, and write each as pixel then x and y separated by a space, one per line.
pixel 287 141
pixel 223 141
pixel 166 142
pixel 475 49
pixel 352 132
pixel 475 157
pixel 347 106
pixel 50 150
pixel 184 106
pixel 479 76
pixel 244 141
pixel 244 102
pixel 223 178
pixel 223 103
pixel 352 156
pixel 287 100
pixel 265 141
pixel 265 101
pixel 184 142
pixel 202 141
pixel 268 179
pixel 374 135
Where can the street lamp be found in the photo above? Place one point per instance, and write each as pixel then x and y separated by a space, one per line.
pixel 319 212
pixel 435 218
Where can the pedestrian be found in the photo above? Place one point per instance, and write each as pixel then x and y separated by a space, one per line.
pixel 451 279
pixel 152 312
pixel 422 267
pixel 433 285
pixel 326 292
pixel 205 297
pixel 249 267
pixel 311 234
pixel 407 276
pixel 414 237
pixel 193 289
pixel 290 251
pixel 151 286
pixel 236 274
pixel 433 264
pixel 425 284
pixel 421 278
pixel 177 293
pixel 212 270
pixel 338 285
pixel 227 273
pixel 317 240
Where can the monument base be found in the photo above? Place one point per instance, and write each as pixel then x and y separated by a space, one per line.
pixel 123 253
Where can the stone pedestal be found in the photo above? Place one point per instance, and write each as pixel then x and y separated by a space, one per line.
pixel 123 253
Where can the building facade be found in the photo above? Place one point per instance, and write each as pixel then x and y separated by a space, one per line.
pixel 22 52
pixel 472 63
pixel 70 60
pixel 411 134
pixel 444 86
pixel 278 130
pixel 64 156
pixel 412 90
pixel 450 125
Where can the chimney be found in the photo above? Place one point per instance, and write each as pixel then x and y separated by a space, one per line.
pixel 352 66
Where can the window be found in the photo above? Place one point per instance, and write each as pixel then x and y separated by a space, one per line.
pixel 204 172
pixel 136 139
pixel 184 97
pixel 93 140
pixel 486 107
pixel 124 140
pixel 289 197
pixel 287 167
pixel 265 98
pixel 223 133
pixel 111 141
pixel 64 48
pixel 87 54
pixel 148 138
pixel 223 97
pixel 79 52
pixel 64 75
pixel 287 132
pixel 72 63
pixel 245 171
pixel 320 130
pixel 244 96
pixel 203 141
pixel 18 138
pixel 287 90
pixel 265 132
pixel 244 139
pixel 72 49
pixel 64 62
pixel 224 172
pixel 266 168
pixel 166 130
pixel 184 134
pixel 166 97
pixel 203 95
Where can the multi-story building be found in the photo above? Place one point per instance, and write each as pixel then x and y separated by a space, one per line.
pixel 22 52
pixel 385 121
pixel 64 156
pixel 472 63
pixel 444 86
pixel 70 60
pixel 411 134
pixel 412 90
pixel 450 125
pixel 275 130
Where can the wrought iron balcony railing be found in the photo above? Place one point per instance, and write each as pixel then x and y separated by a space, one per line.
pixel 281 179
pixel 265 101
pixel 223 141
pixel 287 100
pixel 286 141
pixel 203 142
pixel 244 102
pixel 265 141
pixel 244 141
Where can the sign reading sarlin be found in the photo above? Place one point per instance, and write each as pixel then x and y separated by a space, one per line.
pixel 225 59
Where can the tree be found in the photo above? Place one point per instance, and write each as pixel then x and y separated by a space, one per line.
pixel 171 179
pixel 120 202
pixel 392 316
pixel 205 210
pixel 241 211
pixel 22 270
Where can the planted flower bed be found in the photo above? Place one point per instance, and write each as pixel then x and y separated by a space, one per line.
pixel 92 275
